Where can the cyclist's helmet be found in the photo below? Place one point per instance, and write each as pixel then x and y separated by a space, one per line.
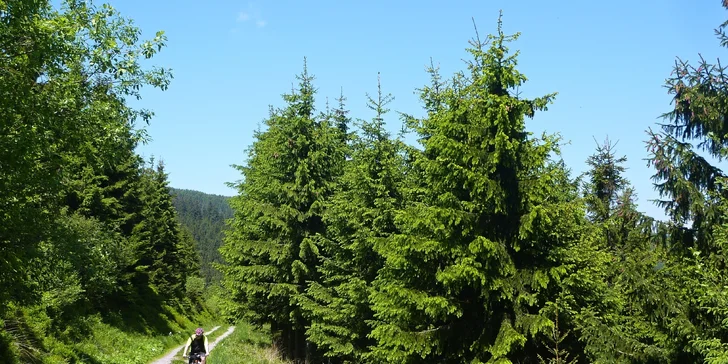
pixel 199 331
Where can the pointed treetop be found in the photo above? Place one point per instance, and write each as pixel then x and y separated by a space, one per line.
pixel 478 43
pixel 500 22
pixel 375 129
pixel 606 179
pixel 431 94
pixel 306 79
pixel 340 116
pixel 160 165
pixel 378 105
pixel 504 77
pixel 303 98
pixel 341 99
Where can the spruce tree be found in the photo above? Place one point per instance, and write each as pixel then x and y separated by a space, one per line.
pixel 358 217
pixel 693 195
pixel 190 265
pixel 482 246
pixel 108 189
pixel 156 237
pixel 605 181
pixel 271 249
pixel 609 294
pixel 342 120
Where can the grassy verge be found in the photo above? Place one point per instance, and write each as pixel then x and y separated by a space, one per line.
pixel 96 339
pixel 245 345
pixel 109 344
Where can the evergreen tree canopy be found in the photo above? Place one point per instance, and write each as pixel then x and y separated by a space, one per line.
pixel 693 195
pixel 358 216
pixel 271 247
pixel 481 248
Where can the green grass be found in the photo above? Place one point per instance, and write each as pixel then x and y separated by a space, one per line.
pixel 129 336
pixel 245 345
pixel 109 344
pixel 96 339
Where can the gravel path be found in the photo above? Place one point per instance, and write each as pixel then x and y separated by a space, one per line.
pixel 167 359
pixel 224 335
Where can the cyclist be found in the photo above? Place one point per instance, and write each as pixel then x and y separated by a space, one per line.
pixel 197 344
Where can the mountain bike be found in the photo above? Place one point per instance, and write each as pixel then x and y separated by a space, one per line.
pixel 195 358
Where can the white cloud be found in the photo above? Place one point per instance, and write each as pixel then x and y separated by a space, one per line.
pixel 252 13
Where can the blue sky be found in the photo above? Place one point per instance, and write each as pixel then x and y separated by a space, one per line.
pixel 232 59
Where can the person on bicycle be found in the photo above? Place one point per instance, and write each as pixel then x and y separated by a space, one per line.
pixel 197 344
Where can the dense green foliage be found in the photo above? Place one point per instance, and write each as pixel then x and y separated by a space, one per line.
pixel 455 284
pixel 204 216
pixel 358 215
pixel 90 242
pixel 273 242
pixel 350 246
pixel 479 246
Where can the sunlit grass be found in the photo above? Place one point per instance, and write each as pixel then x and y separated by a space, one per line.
pixel 245 345
pixel 114 346
pixel 93 340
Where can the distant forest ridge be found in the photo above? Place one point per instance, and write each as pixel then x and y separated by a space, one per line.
pixel 173 189
pixel 204 215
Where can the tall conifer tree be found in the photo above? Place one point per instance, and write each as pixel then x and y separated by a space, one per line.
pixel 693 194
pixel 271 246
pixel 358 217
pixel 157 237
pixel 607 297
pixel 481 249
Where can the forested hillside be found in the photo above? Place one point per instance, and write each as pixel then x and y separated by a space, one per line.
pixel 479 245
pixel 204 215
pixel 91 251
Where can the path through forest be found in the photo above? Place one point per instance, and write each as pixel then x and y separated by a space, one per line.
pixel 167 359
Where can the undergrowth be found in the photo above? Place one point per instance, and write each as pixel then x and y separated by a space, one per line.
pixel 123 338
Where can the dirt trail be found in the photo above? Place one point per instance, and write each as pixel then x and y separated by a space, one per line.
pixel 167 359
pixel 224 335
